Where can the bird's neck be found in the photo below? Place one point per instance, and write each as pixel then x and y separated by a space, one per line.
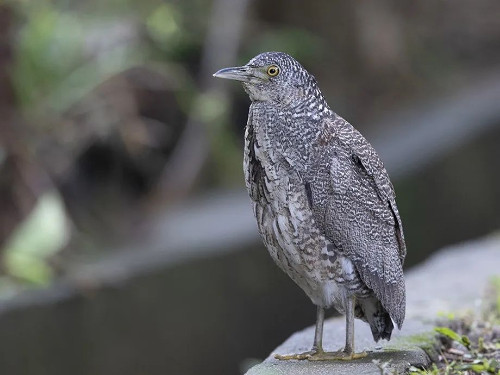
pixel 311 104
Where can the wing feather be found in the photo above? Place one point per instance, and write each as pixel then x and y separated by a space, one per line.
pixel 361 216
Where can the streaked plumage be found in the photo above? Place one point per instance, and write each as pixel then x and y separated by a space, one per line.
pixel 324 204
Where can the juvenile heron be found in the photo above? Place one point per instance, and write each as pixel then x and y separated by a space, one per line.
pixel 323 201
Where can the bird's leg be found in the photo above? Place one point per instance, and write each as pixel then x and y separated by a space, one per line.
pixel 348 353
pixel 349 331
pixel 349 326
pixel 318 332
pixel 317 348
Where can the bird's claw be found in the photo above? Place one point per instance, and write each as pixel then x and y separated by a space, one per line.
pixel 320 355
pixel 340 355
pixel 299 356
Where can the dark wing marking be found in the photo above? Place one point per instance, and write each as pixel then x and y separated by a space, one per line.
pixel 309 194
pixel 254 175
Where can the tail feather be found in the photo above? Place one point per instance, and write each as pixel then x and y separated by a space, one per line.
pixel 371 311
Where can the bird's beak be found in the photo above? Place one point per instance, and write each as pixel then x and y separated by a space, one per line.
pixel 239 73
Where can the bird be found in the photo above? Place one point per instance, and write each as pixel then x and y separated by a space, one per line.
pixel 324 204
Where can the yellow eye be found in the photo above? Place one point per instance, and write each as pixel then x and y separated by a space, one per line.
pixel 273 71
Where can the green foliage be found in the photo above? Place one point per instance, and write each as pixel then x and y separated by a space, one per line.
pixel 476 361
pixel 45 54
pixel 478 366
pixel 59 57
pixel 433 370
pixel 65 50
pixel 468 344
pixel 495 290
pixel 165 25
pixel 42 234
pixel 446 315
pixel 445 331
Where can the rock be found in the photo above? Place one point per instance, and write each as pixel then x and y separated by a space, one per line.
pixel 452 280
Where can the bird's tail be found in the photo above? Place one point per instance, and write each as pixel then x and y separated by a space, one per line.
pixel 371 311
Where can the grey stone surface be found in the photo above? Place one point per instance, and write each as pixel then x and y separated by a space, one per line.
pixel 452 280
pixel 365 366
pixel 334 340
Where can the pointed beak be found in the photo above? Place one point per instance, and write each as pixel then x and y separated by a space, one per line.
pixel 238 73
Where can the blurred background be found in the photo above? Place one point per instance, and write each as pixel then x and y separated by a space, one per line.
pixel 127 243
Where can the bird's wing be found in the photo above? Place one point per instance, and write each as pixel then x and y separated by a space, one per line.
pixel 361 216
pixel 370 162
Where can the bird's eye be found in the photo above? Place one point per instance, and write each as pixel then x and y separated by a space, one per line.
pixel 273 71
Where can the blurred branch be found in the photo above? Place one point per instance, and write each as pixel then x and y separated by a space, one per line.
pixel 220 48
pixel 16 199
pixel 21 178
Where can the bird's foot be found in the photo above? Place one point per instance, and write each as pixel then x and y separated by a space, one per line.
pixel 340 355
pixel 299 356
pixel 320 355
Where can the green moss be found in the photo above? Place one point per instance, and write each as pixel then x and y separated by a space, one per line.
pixel 426 341
pixel 495 295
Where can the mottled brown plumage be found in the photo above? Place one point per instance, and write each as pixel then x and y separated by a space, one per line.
pixel 324 204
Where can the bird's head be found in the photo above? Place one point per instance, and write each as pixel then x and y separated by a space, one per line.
pixel 273 76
